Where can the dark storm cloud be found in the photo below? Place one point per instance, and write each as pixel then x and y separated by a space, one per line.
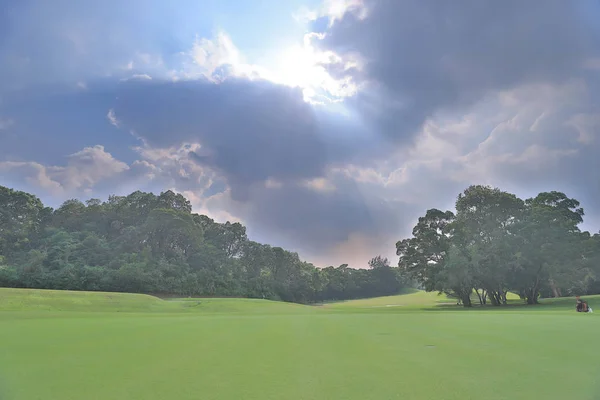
pixel 424 56
pixel 249 130
pixel 313 220
pixel 51 122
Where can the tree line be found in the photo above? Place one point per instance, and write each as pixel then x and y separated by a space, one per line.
pixel 497 242
pixel 494 243
pixel 144 243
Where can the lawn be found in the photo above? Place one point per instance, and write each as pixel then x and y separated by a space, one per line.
pixel 131 347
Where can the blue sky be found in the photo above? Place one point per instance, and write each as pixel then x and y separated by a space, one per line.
pixel 325 126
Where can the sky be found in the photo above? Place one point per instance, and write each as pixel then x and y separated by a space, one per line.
pixel 325 126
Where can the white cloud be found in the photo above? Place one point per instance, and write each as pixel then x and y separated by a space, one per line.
pixel 112 118
pixel 306 66
pixel 334 10
pixel 273 184
pixel 174 167
pixel 83 170
pixel 212 54
pixel 319 185
pixel 305 15
pixel 33 173
pixel 302 66
pixel 140 77
pixel 219 206
pixel 88 166
pixel 218 58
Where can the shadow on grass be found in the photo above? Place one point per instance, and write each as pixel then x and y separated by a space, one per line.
pixel 401 292
pixel 558 304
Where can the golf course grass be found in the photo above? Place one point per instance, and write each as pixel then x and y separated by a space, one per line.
pixel 78 345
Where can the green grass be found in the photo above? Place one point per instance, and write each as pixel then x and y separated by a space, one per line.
pixel 63 300
pixel 413 298
pixel 94 302
pixel 140 347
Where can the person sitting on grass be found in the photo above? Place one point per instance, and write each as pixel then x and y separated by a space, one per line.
pixel 582 306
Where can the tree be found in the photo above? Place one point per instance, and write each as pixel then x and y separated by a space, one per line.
pixel 379 262
pixel 22 217
pixel 485 216
pixel 549 244
pixel 422 256
pixel 455 277
pixel 170 232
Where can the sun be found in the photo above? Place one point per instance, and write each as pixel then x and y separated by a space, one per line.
pixel 298 66
pixel 302 65
pixel 306 67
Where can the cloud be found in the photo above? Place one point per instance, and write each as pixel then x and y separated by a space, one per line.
pixel 303 66
pixel 83 170
pixel 319 185
pixel 219 206
pixel 112 118
pixel 69 41
pixel 139 77
pixel 332 10
pixel 418 100
pixel 523 140
pixel 248 131
pixel 423 57
pixel 314 221
pixel 175 168
pixel 52 121
pixel 219 55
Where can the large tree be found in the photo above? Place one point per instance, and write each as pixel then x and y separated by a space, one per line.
pixel 484 219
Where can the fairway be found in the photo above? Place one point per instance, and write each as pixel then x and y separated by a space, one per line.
pixel 245 349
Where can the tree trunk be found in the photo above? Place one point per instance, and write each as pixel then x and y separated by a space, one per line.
pixel 532 295
pixel 466 300
pixel 494 298
pixel 479 295
pixel 555 291
pixel 534 292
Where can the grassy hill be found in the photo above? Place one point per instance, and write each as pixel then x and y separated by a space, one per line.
pixel 107 302
pixel 92 302
pixel 73 345
pixel 64 300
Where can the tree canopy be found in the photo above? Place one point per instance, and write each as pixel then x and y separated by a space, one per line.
pixel 497 242
pixel 493 243
pixel 154 244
